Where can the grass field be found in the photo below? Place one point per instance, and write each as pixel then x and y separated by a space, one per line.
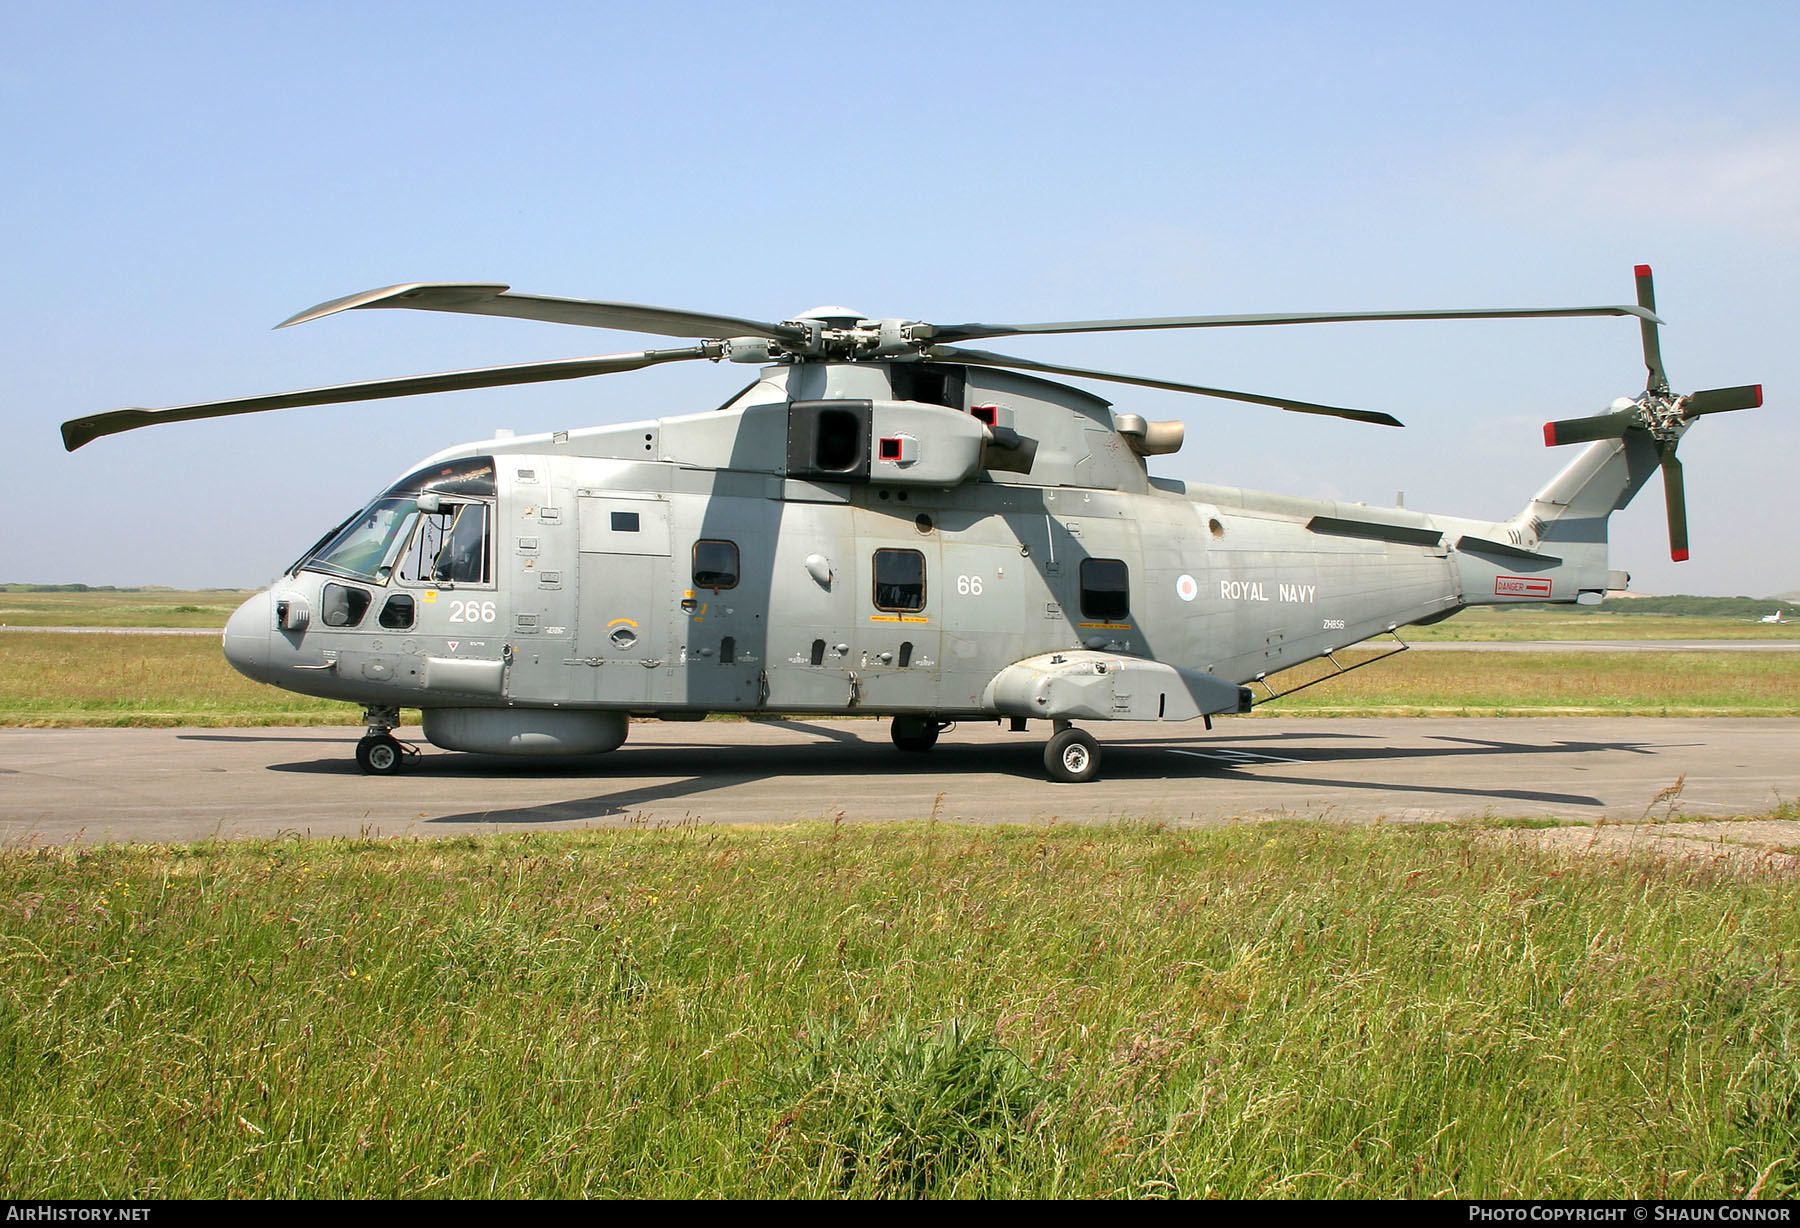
pixel 924 1010
pixel 1498 623
pixel 60 680
pixel 48 679
pixel 153 680
pixel 143 608
pixel 1689 683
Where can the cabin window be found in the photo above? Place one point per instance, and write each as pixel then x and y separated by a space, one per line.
pixel 1105 590
pixel 398 613
pixel 624 522
pixel 899 580
pixel 715 564
pixel 343 606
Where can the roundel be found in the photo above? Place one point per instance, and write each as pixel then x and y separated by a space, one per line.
pixel 1186 588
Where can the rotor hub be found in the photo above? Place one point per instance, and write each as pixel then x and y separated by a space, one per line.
pixel 1661 413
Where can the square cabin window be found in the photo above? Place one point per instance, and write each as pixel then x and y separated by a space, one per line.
pixel 899 580
pixel 1105 590
pixel 715 565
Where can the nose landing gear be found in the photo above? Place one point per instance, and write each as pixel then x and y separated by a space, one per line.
pixel 378 753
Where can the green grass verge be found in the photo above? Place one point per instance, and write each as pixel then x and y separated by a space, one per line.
pixel 73 680
pixel 1615 621
pixel 162 607
pixel 1473 683
pixel 921 1010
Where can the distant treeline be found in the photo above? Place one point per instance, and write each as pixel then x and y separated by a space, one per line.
pixel 103 588
pixel 1693 607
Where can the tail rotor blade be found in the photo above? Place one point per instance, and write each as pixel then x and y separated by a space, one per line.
pixel 1646 296
pixel 1675 496
pixel 1586 430
pixel 1720 400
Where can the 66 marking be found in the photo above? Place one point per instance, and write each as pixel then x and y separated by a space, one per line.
pixel 968 586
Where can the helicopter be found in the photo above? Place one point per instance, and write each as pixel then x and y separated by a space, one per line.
pixel 885 522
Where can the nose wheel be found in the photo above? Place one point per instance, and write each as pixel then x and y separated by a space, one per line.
pixel 380 755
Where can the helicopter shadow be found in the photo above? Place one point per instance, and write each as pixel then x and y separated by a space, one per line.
pixel 838 754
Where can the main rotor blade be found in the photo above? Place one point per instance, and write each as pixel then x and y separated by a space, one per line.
pixel 81 431
pixel 985 359
pixel 1646 296
pixel 1675 497
pixel 975 332
pixel 1721 400
pixel 1586 430
pixel 494 300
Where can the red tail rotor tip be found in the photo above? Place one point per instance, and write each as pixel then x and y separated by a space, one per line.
pixel 1758 397
pixel 1549 434
pixel 1643 270
pixel 1680 556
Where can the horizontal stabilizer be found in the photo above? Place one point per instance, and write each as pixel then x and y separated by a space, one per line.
pixel 1375 530
pixel 1482 545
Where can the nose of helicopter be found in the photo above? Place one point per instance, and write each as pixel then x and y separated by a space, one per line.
pixel 247 634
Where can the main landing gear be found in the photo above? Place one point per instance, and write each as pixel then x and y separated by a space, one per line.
pixel 1071 756
pixel 379 754
pixel 916 734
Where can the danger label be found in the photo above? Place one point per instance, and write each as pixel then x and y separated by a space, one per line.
pixel 1520 586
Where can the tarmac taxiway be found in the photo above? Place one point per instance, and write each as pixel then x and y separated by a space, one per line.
pixel 62 785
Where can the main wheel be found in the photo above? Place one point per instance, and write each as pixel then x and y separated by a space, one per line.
pixel 379 755
pixel 914 733
pixel 1072 757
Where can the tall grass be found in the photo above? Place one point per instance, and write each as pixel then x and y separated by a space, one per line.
pixel 925 1010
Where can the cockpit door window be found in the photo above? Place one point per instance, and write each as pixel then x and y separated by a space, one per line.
pixel 449 547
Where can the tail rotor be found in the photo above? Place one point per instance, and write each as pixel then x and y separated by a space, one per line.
pixel 1658 412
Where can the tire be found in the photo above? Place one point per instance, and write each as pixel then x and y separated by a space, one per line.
pixel 379 755
pixel 914 734
pixel 1072 757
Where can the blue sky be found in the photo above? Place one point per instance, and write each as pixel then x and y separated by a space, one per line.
pixel 181 177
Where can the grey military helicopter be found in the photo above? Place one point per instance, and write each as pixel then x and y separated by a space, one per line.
pixel 884 523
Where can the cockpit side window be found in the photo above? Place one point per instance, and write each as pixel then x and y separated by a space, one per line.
pixel 463 559
pixel 449 547
pixel 371 543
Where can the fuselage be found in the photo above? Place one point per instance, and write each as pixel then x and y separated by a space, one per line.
pixel 832 542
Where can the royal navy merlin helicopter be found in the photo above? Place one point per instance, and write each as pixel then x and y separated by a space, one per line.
pixel 885 522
